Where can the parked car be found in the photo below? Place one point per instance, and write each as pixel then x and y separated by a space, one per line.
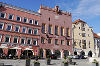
pixel 53 56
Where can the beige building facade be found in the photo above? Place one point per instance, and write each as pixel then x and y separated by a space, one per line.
pixel 82 37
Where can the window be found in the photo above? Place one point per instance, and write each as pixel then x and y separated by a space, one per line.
pixel 0 37
pixel 84 44
pixel 83 35
pixel 15 40
pixel 80 34
pixel 25 20
pixel 50 29
pixel 17 28
pixel 24 30
pixel 56 30
pixel 22 40
pixel 83 29
pixel 9 27
pixel 35 42
pixel 49 18
pixel 56 41
pixel 43 28
pixel 62 42
pixel 79 27
pixel 42 40
pixel 29 40
pixel 7 38
pixel 68 42
pixel 67 32
pixel 80 43
pixel 49 41
pixel 35 31
pixel 62 31
pixel 10 17
pixel 36 22
pixel 18 18
pixel 83 25
pixel 30 21
pixel 1 26
pixel 29 30
pixel 2 15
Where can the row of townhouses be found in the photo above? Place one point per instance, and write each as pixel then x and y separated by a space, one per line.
pixel 48 31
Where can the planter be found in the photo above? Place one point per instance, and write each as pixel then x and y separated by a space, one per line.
pixel 35 64
pixel 64 64
pixel 95 64
pixel 27 62
pixel 48 61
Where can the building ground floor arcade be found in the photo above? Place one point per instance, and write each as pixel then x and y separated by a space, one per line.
pixel 59 53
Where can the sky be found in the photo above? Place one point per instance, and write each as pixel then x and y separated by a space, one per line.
pixel 86 10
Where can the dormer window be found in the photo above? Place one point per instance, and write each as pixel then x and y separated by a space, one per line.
pixel 10 17
pixel 18 18
pixel 2 15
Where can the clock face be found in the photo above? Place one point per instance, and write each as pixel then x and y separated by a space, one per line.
pixel 56 17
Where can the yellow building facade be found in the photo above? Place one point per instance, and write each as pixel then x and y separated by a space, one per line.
pixel 82 37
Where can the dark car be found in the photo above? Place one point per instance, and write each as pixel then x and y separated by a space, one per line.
pixel 53 56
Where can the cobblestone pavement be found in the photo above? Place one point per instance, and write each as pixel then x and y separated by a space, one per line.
pixel 79 62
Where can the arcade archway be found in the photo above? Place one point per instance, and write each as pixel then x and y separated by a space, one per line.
pixel 66 53
pixel 58 53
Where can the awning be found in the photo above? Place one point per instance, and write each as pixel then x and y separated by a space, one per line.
pixel 28 49
pixel 3 47
pixel 15 48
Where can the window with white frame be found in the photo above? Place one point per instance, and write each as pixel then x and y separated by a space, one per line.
pixel 62 42
pixel 24 30
pixel 49 41
pixel 22 40
pixel 29 30
pixel 17 28
pixel 10 17
pixel 9 27
pixel 2 15
pixel 18 18
pixel 15 39
pixel 1 26
pixel 25 20
pixel 35 42
pixel 30 21
pixel 56 41
pixel 68 42
pixel 42 40
pixel 29 40
pixel 0 37
pixel 35 31
pixel 36 22
pixel 7 38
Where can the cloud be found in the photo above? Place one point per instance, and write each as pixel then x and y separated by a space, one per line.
pixel 87 8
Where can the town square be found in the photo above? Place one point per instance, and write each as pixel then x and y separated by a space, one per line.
pixel 49 33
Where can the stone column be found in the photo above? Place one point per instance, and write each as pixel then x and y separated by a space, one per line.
pixel 62 53
pixel 44 53
pixel 52 51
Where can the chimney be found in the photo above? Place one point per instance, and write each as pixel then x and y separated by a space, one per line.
pixel 57 8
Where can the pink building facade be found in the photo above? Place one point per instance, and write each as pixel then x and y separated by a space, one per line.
pixel 56 35
pixel 40 33
pixel 19 29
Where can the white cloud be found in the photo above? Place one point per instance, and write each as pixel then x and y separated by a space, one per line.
pixel 87 8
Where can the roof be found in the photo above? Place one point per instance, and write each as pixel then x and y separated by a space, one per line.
pixel 77 21
pixel 96 36
pixel 20 9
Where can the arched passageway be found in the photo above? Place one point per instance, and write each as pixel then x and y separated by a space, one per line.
pixel 66 53
pixel 58 53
